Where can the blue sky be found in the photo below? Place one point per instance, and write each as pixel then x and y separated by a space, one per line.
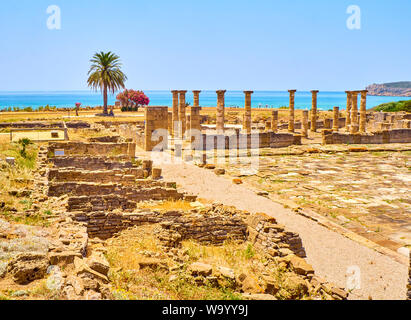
pixel 226 44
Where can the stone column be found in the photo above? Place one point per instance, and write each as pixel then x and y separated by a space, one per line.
pixel 175 112
pixel 363 112
pixel 170 123
pixel 304 124
pixel 349 104
pixel 247 114
pixel 336 119
pixel 354 112
pixel 292 112
pixel 274 121
pixel 220 111
pixel 314 111
pixel 268 126
pixel 195 125
pixel 196 98
pixel 182 112
pixel 156 119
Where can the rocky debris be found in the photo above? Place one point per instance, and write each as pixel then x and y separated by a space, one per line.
pixel 200 269
pixel 300 266
pixel 219 171
pixel 237 181
pixel 63 258
pixel 84 271
pixel 98 263
pixel 20 193
pixel 27 267
pixel 152 263
pixel 226 273
pixel 250 284
pixel 3 268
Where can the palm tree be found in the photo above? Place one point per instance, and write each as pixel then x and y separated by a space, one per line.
pixel 105 74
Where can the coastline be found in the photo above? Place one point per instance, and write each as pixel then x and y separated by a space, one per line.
pixel 234 99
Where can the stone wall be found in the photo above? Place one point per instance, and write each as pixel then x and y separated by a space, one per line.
pixel 106 139
pixel 32 125
pixel 126 176
pixel 44 125
pixel 244 141
pixel 266 234
pixel 92 163
pixel 137 192
pixel 93 149
pixel 393 136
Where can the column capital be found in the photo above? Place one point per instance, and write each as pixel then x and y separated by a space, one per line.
pixel 364 91
pixel 182 91
pixel 248 92
pixel 355 92
pixel 348 92
pixel 175 91
pixel 221 91
pixel 292 91
pixel 197 91
pixel 315 91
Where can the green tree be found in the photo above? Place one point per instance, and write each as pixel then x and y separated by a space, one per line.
pixel 105 74
pixel 24 143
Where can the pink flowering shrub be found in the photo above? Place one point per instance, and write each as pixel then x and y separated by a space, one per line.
pixel 131 100
pixel 78 104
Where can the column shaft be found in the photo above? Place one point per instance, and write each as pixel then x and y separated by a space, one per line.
pixel 349 105
pixel 196 98
pixel 314 111
pixel 304 124
pixel 336 119
pixel 182 113
pixel 175 112
pixel 220 111
pixel 274 121
pixel 363 112
pixel 291 119
pixel 247 114
pixel 354 113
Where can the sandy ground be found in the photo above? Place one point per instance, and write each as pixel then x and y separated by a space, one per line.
pixel 330 253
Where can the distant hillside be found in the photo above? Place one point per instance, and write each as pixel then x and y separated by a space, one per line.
pixel 394 106
pixel 399 89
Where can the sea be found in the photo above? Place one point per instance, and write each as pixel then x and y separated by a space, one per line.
pixel 260 99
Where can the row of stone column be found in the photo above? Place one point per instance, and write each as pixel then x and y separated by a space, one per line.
pixel 178 115
pixel 353 124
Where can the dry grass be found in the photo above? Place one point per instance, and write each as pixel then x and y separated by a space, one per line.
pixel 19 177
pixel 124 254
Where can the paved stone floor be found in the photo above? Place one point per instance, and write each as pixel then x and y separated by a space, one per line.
pixel 367 192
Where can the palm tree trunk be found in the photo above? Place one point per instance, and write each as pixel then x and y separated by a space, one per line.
pixel 105 99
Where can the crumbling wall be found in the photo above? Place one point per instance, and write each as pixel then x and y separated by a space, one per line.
pixel 92 163
pixel 138 192
pixel 383 137
pixel 32 125
pixel 243 141
pixel 93 149
pixel 126 176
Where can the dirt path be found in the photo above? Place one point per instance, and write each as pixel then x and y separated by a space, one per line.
pixel 329 252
